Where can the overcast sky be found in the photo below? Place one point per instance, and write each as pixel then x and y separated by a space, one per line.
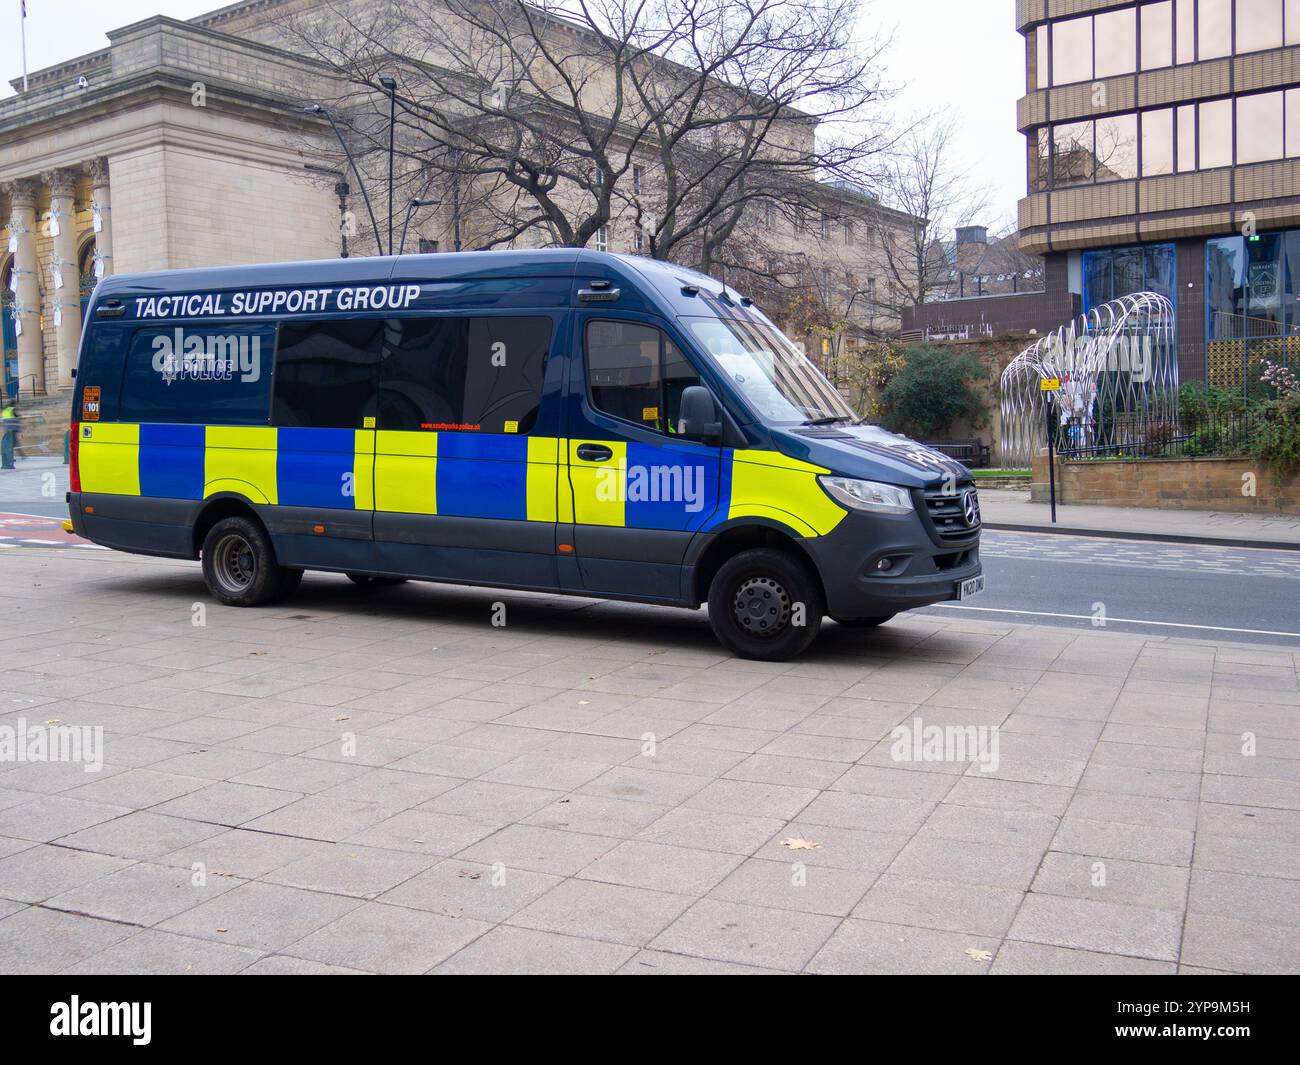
pixel 962 56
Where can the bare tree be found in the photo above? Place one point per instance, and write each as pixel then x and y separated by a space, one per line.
pixel 690 120
pixel 923 180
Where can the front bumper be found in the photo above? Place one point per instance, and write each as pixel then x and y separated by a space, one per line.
pixel 923 569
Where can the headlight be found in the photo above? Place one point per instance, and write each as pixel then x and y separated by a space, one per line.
pixel 868 495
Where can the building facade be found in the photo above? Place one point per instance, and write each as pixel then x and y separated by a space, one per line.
pixel 184 144
pixel 1163 154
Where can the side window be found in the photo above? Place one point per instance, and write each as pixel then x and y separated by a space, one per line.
pixel 325 373
pixel 637 374
pixel 463 374
pixel 195 375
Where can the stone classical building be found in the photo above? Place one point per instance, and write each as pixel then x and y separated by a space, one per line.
pixel 1164 154
pixel 183 144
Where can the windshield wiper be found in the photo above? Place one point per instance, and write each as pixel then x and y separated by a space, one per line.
pixel 830 419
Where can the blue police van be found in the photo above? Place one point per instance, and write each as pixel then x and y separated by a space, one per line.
pixel 559 421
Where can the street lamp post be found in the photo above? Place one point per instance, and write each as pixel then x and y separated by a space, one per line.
pixel 317 109
pixel 410 210
pixel 390 85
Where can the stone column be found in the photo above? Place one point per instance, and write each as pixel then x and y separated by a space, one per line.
pixel 27 298
pixel 64 280
pixel 101 208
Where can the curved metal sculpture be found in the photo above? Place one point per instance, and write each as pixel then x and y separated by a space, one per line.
pixel 1119 381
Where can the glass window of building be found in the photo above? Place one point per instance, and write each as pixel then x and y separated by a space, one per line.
pixel 1259 127
pixel 1040 45
pixel 1259 25
pixel 1215 134
pixel 1040 166
pixel 1116 152
pixel 1292 9
pixel 1072 51
pixel 1225 287
pixel 1214 29
pixel 1293 123
pixel 1158 35
pixel 1115 34
pixel 1185 31
pixel 1186 138
pixel 1116 272
pixel 1073 159
pixel 1158 142
pixel 1264 285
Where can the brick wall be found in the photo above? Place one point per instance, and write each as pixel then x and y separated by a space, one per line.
pixel 1175 484
pixel 1021 313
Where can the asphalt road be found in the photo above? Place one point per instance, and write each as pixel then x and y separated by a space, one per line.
pixel 1178 590
pixel 1242 595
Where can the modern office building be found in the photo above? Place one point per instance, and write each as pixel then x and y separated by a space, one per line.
pixel 1163 153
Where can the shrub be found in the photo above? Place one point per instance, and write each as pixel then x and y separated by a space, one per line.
pixel 931 391
pixel 1276 436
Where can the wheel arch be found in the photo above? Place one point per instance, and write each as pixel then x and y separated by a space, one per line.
pixel 744 535
pixel 217 508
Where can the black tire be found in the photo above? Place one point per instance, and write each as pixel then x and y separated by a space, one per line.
pixel 365 580
pixel 863 623
pixel 239 563
pixel 754 601
pixel 289 581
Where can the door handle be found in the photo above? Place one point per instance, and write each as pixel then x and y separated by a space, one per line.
pixel 594 453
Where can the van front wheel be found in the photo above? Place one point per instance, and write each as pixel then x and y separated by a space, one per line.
pixel 766 605
pixel 239 563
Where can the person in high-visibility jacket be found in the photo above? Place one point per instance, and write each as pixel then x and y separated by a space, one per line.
pixel 8 435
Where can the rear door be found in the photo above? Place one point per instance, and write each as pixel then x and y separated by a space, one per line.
pixel 640 492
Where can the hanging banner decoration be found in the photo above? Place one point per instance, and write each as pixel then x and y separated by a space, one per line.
pixel 96 218
pixel 57 271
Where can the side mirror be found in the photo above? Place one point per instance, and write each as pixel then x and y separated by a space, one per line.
pixel 699 417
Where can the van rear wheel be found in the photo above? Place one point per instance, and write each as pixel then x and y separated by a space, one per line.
pixel 766 605
pixel 239 563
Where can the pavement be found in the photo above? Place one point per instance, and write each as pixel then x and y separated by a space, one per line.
pixel 386 781
pixel 1010 509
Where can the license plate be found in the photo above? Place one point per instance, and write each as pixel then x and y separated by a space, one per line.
pixel 969 587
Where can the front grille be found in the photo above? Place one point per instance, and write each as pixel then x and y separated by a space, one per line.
pixel 945 513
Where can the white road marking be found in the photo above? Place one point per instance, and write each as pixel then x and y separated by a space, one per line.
pixel 1126 621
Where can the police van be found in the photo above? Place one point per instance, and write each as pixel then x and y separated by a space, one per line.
pixel 555 421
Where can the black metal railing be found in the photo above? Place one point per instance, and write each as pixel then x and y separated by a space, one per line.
pixel 1190 434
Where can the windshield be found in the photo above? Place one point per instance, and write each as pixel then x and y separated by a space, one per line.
pixel 775 376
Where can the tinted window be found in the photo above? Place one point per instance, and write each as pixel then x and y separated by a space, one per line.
pixel 1214 29
pixel 1216 134
pixel 1259 25
pixel 1158 142
pixel 463 374
pixel 1116 147
pixel 1158 35
pixel 325 373
pixel 1259 127
pixel 637 374
pixel 195 375
pixel 1073 153
pixel 1116 35
pixel 1072 51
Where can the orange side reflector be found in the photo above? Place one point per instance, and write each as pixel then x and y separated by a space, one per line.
pixel 318 529
pixel 566 549
pixel 90 510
